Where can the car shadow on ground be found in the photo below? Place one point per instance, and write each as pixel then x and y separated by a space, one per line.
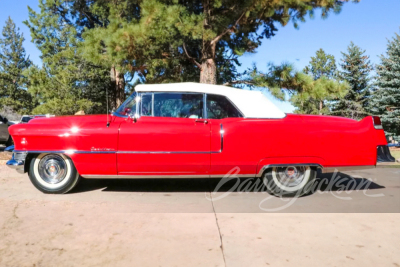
pixel 344 182
pixel 325 182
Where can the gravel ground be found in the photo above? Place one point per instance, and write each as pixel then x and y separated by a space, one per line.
pixel 172 223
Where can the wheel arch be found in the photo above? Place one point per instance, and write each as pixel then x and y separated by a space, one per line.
pixel 268 163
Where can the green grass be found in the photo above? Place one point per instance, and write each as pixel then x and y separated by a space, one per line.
pixel 395 154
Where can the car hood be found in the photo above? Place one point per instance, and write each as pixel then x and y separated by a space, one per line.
pixel 57 123
pixel 77 119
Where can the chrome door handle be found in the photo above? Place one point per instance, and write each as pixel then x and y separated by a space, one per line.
pixel 202 121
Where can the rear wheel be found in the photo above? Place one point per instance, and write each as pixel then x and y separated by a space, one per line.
pixel 290 181
pixel 53 173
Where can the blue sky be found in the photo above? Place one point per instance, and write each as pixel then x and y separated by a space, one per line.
pixel 368 24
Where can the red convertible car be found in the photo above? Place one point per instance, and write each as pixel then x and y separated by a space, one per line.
pixel 190 130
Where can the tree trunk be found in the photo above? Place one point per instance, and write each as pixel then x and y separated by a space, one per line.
pixel 320 107
pixel 118 86
pixel 208 73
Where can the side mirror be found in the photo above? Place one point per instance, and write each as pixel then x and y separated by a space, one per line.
pixel 133 118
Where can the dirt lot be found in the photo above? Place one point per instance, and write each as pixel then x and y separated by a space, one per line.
pixel 4 156
pixel 173 223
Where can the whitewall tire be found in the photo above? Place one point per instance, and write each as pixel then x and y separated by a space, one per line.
pixel 289 181
pixel 53 173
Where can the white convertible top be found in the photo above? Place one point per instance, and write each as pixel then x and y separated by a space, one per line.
pixel 253 104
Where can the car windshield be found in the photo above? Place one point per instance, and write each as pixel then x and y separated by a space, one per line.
pixel 129 106
pixel 25 119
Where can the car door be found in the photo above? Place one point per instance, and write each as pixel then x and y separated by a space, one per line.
pixel 229 154
pixel 169 138
pixel 3 130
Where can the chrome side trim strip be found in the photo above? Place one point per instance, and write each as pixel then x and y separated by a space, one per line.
pixel 163 152
pixel 96 176
pixel 65 151
pixel 69 152
pixel 141 176
pixel 221 132
pixel 205 115
pixel 318 166
pixel 235 175
pixel 222 138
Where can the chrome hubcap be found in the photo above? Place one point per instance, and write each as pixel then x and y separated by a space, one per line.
pixel 52 169
pixel 290 176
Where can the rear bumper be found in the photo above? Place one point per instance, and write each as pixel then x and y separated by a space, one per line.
pixel 383 155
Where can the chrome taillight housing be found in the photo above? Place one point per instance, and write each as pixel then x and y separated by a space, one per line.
pixel 377 122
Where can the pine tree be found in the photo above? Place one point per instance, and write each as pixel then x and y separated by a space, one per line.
pixel 303 90
pixel 200 37
pixel 309 90
pixel 13 62
pixel 356 69
pixel 66 82
pixel 322 66
pixel 385 101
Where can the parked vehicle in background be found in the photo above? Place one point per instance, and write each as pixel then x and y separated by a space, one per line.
pixel 5 137
pixel 27 118
pixel 394 145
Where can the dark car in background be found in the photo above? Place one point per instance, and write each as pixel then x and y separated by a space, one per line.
pixel 5 137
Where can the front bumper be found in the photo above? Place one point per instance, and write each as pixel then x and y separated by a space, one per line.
pixel 18 160
pixel 383 155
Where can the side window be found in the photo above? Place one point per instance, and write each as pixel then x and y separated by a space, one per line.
pixel 146 105
pixel 219 107
pixel 178 105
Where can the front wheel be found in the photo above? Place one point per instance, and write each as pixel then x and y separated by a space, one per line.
pixel 290 181
pixel 53 173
